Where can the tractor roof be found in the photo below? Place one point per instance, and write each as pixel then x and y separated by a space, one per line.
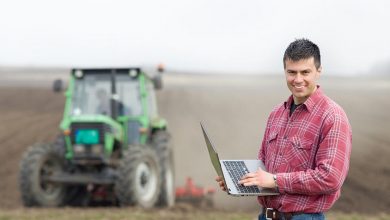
pixel 138 70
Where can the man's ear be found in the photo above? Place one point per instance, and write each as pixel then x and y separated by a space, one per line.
pixel 319 70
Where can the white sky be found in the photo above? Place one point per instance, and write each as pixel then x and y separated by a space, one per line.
pixel 198 35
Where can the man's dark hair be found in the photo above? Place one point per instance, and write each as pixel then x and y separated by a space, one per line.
pixel 302 49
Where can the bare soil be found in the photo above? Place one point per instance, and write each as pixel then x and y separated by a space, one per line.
pixel 234 110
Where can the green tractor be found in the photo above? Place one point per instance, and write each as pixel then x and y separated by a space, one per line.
pixel 113 147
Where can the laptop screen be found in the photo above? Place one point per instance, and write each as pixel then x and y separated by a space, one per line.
pixel 212 152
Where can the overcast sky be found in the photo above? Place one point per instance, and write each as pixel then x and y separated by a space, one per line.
pixel 198 35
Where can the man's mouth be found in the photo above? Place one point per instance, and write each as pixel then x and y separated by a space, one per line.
pixel 299 87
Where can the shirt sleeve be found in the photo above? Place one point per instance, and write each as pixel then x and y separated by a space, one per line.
pixel 261 154
pixel 332 161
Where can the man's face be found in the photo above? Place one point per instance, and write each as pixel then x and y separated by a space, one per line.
pixel 301 77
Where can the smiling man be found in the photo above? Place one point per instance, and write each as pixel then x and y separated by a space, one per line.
pixel 306 146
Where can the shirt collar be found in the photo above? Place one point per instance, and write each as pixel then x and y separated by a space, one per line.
pixel 309 103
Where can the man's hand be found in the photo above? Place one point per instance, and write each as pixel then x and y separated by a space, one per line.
pixel 221 183
pixel 259 178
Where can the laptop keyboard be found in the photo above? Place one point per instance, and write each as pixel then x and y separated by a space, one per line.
pixel 236 170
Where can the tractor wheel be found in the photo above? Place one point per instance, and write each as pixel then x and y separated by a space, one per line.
pixel 139 180
pixel 165 153
pixel 40 161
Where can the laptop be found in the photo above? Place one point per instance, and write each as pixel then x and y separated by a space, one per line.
pixel 232 170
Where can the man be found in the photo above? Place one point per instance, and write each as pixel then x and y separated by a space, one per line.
pixel 306 146
pixel 104 105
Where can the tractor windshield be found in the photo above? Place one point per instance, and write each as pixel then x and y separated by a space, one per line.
pixel 92 95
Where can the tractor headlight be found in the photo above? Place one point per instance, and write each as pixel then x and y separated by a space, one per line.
pixel 97 149
pixel 79 149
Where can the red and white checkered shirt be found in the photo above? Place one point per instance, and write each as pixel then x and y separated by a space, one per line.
pixel 309 152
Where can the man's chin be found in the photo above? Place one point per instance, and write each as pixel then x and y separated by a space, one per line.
pixel 299 94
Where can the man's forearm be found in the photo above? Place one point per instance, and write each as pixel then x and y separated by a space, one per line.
pixel 310 182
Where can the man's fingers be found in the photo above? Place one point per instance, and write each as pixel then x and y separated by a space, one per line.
pixel 221 183
pixel 247 180
pixel 251 183
pixel 242 181
pixel 248 175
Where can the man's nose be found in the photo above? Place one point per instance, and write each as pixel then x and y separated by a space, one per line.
pixel 298 78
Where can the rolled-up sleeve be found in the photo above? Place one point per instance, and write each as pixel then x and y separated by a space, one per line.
pixel 332 161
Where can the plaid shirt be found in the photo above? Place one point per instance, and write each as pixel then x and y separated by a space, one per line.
pixel 309 152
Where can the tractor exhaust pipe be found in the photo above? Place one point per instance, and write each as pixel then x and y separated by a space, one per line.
pixel 114 96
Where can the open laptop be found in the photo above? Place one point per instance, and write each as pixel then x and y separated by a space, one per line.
pixel 232 170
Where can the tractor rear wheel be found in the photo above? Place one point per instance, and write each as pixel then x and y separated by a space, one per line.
pixel 165 153
pixel 167 196
pixel 39 162
pixel 139 180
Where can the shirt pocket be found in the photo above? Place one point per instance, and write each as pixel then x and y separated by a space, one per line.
pixel 299 153
pixel 271 141
pixel 272 137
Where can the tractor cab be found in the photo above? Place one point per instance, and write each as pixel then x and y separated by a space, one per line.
pixel 105 92
pixel 113 108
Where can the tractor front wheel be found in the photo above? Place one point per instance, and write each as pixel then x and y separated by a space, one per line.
pixel 39 162
pixel 139 180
